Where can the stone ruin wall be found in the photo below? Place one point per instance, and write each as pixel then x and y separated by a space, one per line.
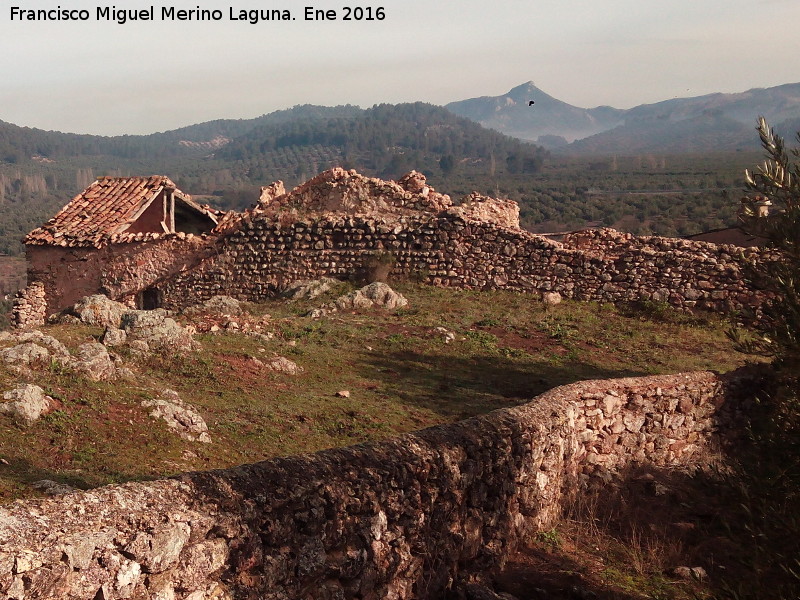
pixel 337 222
pixel 402 519
pixel 62 276
pixel 264 255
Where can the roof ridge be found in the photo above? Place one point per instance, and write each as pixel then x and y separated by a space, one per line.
pixel 110 202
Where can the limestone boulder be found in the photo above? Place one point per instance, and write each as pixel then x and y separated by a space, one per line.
pixel 550 299
pixel 307 288
pixel 139 348
pixel 281 364
pixel 377 294
pixel 161 332
pixel 179 416
pixel 54 347
pixel 92 359
pixel 26 404
pixel 113 337
pixel 24 355
pixel 99 310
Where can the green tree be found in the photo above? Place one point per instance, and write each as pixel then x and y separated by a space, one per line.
pixel 767 483
pixel 447 163
pixel 776 185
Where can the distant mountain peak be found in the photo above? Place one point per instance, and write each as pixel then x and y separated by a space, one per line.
pixel 644 127
pixel 528 85
pixel 512 114
pixel 527 91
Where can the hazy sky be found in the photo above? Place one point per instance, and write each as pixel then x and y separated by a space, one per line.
pixel 104 78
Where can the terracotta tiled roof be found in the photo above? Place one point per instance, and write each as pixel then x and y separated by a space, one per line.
pixel 101 213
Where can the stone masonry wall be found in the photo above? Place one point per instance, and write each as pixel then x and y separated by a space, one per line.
pixel 119 270
pixel 30 306
pixel 335 223
pixel 399 519
pixel 263 255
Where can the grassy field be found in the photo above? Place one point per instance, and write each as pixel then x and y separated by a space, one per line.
pixel 401 371
pixel 448 355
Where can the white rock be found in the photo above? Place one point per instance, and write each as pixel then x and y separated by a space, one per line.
pixel 93 360
pixel 551 298
pixel 26 404
pixel 99 310
pixel 179 416
pixel 307 288
pixel 283 365
pixel 375 294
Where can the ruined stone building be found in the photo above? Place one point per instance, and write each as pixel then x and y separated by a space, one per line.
pixel 68 256
pixel 142 241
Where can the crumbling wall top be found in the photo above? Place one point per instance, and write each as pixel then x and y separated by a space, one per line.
pixel 338 190
pixel 475 207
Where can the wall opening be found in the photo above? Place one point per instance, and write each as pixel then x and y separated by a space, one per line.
pixel 149 299
pixel 189 220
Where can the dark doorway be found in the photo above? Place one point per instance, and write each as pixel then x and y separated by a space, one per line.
pixel 149 299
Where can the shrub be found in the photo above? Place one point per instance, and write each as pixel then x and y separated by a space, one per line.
pixel 776 182
pixel 768 481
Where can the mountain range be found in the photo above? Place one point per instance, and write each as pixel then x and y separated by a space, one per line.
pixel 224 162
pixel 713 122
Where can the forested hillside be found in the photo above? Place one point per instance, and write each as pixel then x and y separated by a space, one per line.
pixel 386 140
pixel 224 163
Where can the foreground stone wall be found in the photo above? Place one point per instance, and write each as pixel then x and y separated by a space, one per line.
pixel 264 255
pixel 400 519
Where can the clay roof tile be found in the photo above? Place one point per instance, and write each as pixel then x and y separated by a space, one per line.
pixel 100 210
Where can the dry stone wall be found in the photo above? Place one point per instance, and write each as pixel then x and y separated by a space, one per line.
pixel 30 306
pixel 401 519
pixel 61 276
pixel 335 224
pixel 264 255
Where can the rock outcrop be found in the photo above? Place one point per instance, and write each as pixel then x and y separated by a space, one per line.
pixel 307 288
pixel 24 355
pixel 93 361
pixel 375 294
pixel 26 404
pixel 282 364
pixel 99 310
pixel 179 416
pixel 160 332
